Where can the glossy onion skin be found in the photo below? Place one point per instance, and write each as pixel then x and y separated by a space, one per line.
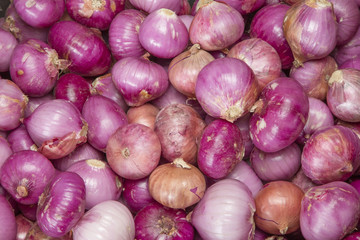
pixel 9 42
pixel 19 139
pixel 348 51
pixel 5 150
pixel 7 218
pixel 280 115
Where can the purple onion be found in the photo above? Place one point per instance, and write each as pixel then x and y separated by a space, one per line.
pixel 329 211
pixel 19 139
pixel 155 221
pixel 23 226
pixel 279 115
pixel 34 102
pixel 62 204
pixel 163 34
pixel 104 117
pixel 171 96
pixel 28 210
pixel 356 184
pixel 139 80
pixel 5 150
pixel 353 236
pixel 245 6
pixel 150 6
pixel 302 181
pixel 187 20
pixel 348 51
pixel 35 233
pixel 8 43
pixel 25 174
pixel 351 63
pixel 243 125
pixel 8 227
pixel 83 47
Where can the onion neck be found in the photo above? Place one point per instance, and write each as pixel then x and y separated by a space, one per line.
pixel 167 226
pixel 179 162
pixel 336 76
pixel 22 191
pixel 125 152
pixel 258 105
pixel 318 3
pixel 202 3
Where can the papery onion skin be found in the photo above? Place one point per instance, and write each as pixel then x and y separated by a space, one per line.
pixel 331 154
pixel 8 43
pixel 144 114
pixel 150 6
pixel 23 226
pixel 231 202
pixel 279 115
pixel 226 88
pixel 5 150
pixel 19 139
pixel 348 51
pixel 351 63
pixel 278 206
pixel 171 96
pixel 329 211
pixel 7 217
pixel 212 34
pixel 34 102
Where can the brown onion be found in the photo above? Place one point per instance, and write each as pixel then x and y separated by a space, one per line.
pixel 177 184
pixel 144 114
pixel 278 206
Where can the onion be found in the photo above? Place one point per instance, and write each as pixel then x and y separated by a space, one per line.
pixel 185 8
pixel 13 103
pixel 329 211
pixel 300 22
pixel 267 25
pixel 5 150
pixel 243 125
pixel 342 97
pixel 35 233
pixel 261 57
pixel 40 14
pixel 353 236
pixel 34 102
pixel 314 76
pixel 29 211
pixel 225 212
pixel 25 174
pixel 331 154
pixel 106 220
pixel 279 115
pixel 23 226
pixel 186 19
pixel 348 51
pixel 171 96
pixel 353 126
pixel 226 88
pixel 245 6
pixel 104 116
pixel 62 204
pixel 150 6
pixel 93 13
pixel 74 88
pixel 139 80
pixel 144 114
pixel 280 165
pixel 155 221
pixel 179 128
pixel 19 139
pixel 7 218
pixel 351 63
pixel 184 69
pixel 7 45
pixel 163 34
pixel 56 127
pixel 216 26
pixel 220 149
pixel 86 50
pixel 124 34
pixel 356 184
pixel 302 181
pixel 177 184
pixel 278 206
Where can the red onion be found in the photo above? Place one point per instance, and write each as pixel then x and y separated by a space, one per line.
pixel 35 66
pixel 245 173
pixel 279 115
pixel 25 174
pixel 104 86
pixel 171 96
pixel 261 57
pixel 353 126
pixel 163 34
pixel 314 76
pixel 187 20
pixel 95 14
pixel 185 8
pixel 356 183
pixel 5 150
pixel 329 211
pixel 319 116
pixel 144 114
pixel 150 6
pixel 84 48
pixel 23 226
pixel 19 139
pixel 351 63
pixel 155 221
pixel 216 26
pixel 7 218
pixel 104 117
pixel 300 22
pixel 139 80
pixel 243 125
pixel 62 204
pixel 106 220
pixel 353 236
pixel 245 6
pixel 226 88
pixel 331 154
pixel 35 233
pixel 179 128
pixel 231 203
pixel 74 88
pixel 101 182
pixel 271 2
pixel 29 211
pixel 302 181
pixel 40 14
pixel 348 51
pixel 34 102
pixel 267 25
pixel 13 103
pixel 56 127
pixel 343 95
pixel 124 34
pixel 8 43
pixel 220 149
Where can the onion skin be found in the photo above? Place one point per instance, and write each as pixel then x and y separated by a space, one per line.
pixel 144 114
pixel 8 43
pixel 5 150
pixel 331 154
pixel 150 6
pixel 19 139
pixel 23 226
pixel 329 211
pixel 278 206
pixel 348 51
pixel 8 222
pixel 34 102
pixel 245 6
pixel 351 63
pixel 302 181
pixel 171 96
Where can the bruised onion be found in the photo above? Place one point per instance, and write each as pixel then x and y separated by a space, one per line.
pixel 23 226
pixel 28 210
pixel 144 114
pixel 302 181
pixel 34 102
pixel 187 20
pixel 19 139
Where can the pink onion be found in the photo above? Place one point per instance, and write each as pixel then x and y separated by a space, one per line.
pixel 35 233
pixel 329 211
pixel 23 226
pixel 243 125
pixel 302 181
pixel 348 51
pixel 56 127
pixel 261 57
pixel 19 139
pixel 8 43
pixel 163 34
pixel 245 6
pixel 144 114
pixel 7 218
pixel 5 150
pixel 279 115
pixel 104 117
pixel 28 210
pixel 34 102
pixel 84 48
pixel 226 88
pixel 187 20
pixel 300 22
pixel 170 96
pixel 231 203
pixel 353 236
pixel 331 154
pixel 150 6
pixel 216 26
pixel 351 63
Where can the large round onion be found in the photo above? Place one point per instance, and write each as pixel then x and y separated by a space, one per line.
pixel 5 150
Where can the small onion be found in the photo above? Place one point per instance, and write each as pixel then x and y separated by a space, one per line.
pixel 23 226
pixel 302 181
pixel 351 63
pixel 348 51
pixel 19 139
pixel 185 8
pixel 245 6
pixel 144 114
pixel 7 218
pixel 7 45
pixel 187 19
pixel 150 6
pixel 5 150
pixel 329 211
pixel 34 102
pixel 29 211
